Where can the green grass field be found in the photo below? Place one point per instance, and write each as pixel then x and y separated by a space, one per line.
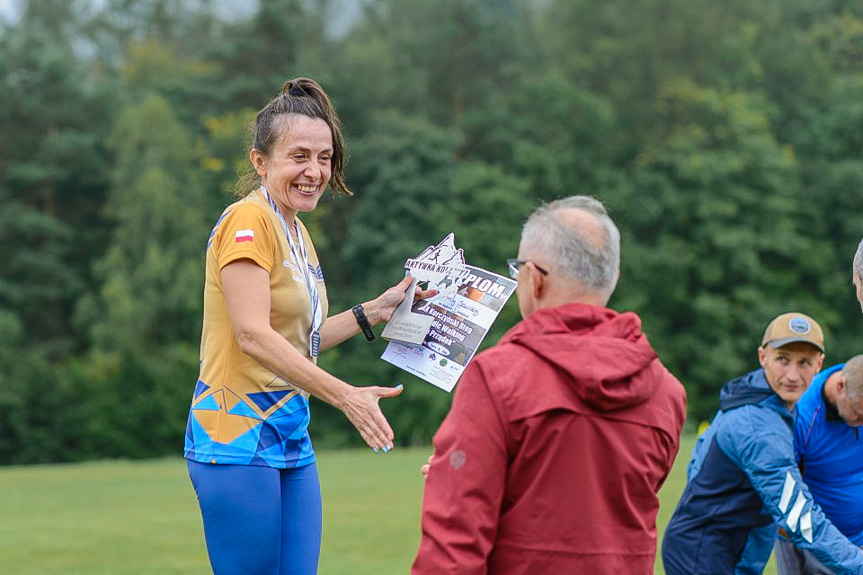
pixel 131 518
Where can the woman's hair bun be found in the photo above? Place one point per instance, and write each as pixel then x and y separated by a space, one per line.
pixel 293 88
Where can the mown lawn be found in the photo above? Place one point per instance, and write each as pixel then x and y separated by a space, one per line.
pixel 129 518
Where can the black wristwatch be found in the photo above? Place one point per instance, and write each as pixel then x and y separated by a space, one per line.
pixel 363 322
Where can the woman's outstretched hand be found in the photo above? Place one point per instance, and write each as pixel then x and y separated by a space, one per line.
pixel 363 410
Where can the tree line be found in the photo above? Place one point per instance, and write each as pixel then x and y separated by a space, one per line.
pixel 725 139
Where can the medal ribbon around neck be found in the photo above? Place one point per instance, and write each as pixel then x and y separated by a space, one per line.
pixel 301 258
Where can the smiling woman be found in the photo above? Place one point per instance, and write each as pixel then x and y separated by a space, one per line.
pixel 297 170
pixel 249 454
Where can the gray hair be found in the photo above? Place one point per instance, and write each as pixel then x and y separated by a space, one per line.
pixel 853 373
pixel 572 253
pixel 858 260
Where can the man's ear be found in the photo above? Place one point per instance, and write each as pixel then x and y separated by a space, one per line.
pixel 537 283
pixel 841 383
pixel 820 362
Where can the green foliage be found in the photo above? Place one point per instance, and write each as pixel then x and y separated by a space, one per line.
pixel 724 138
pixel 155 67
pixel 152 272
pixel 716 176
pixel 51 172
pixel 399 169
pixel 134 405
pixel 37 420
pixel 548 131
pixel 258 55
pixel 395 58
pixel 224 155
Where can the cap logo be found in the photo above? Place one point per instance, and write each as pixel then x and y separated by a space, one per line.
pixel 799 325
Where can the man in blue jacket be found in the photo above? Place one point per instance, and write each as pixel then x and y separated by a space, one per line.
pixel 743 482
pixel 829 451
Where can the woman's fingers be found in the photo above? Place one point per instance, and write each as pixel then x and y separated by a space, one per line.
pixel 388 301
pixel 375 429
pixel 389 391
pixel 365 414
pixel 397 292
pixel 405 282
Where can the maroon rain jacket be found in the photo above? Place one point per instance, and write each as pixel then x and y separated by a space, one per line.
pixel 555 447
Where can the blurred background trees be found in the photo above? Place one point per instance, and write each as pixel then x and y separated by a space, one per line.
pixel 725 138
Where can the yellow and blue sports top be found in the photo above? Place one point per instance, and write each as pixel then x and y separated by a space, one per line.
pixel 241 412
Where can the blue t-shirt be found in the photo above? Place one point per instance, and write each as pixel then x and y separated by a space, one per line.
pixel 831 454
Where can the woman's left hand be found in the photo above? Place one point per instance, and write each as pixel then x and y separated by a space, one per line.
pixel 386 303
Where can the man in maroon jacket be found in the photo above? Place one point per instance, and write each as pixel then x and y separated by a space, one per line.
pixel 561 435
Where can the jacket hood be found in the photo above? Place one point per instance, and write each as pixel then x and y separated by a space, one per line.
pixel 605 349
pixel 750 389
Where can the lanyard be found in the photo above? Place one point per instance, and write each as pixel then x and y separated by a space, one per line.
pixel 301 258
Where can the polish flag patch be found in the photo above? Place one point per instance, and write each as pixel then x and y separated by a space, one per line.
pixel 244 236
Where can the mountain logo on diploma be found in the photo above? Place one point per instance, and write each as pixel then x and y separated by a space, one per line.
pixel 445 253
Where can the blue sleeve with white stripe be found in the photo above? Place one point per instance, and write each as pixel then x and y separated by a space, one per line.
pixel 769 462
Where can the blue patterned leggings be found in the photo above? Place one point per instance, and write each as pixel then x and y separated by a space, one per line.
pixel 259 520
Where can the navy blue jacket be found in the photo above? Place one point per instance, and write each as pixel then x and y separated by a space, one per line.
pixel 743 483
